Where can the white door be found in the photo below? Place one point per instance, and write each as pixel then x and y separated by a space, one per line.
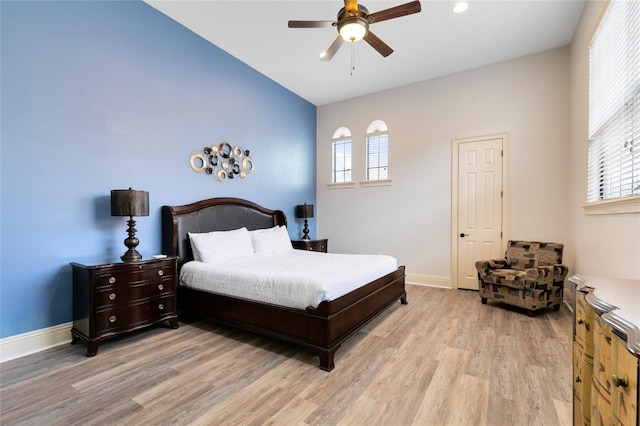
pixel 479 221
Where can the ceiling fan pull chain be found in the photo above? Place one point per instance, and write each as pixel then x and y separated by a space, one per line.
pixel 353 59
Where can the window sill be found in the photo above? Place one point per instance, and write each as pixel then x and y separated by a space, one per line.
pixel 620 205
pixel 342 185
pixel 385 182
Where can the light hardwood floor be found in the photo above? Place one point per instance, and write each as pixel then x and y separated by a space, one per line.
pixel 444 359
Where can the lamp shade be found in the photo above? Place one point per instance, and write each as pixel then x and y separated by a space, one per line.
pixel 127 202
pixel 304 211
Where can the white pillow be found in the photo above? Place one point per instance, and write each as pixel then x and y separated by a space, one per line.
pixel 221 246
pixel 271 240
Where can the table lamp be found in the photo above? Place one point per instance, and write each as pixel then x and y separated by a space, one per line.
pixel 127 202
pixel 303 212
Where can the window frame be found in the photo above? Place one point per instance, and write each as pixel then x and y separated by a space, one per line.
pixel 376 129
pixel 382 156
pixel 344 141
pixel 342 135
pixel 613 177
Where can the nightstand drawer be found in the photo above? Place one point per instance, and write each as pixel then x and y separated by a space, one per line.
pixel 131 276
pixel 116 295
pixel 311 245
pixel 132 316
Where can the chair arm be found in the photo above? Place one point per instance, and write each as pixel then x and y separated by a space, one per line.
pixel 486 266
pixel 539 276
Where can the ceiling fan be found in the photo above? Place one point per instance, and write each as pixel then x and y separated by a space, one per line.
pixel 353 25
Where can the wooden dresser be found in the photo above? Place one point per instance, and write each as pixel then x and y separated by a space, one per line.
pixel 114 297
pixel 606 351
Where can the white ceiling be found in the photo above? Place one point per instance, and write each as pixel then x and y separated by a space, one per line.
pixel 432 43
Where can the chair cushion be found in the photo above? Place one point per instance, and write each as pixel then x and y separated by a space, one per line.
pixel 523 255
pixel 506 277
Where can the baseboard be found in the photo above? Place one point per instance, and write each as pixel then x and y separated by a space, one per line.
pixel 429 280
pixel 34 341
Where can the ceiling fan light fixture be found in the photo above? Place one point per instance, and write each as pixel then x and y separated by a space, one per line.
pixel 353 29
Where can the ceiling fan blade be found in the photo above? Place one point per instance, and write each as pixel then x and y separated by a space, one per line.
pixel 328 54
pixel 395 12
pixel 310 24
pixel 382 47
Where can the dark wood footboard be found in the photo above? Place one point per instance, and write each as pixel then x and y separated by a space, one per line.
pixel 320 330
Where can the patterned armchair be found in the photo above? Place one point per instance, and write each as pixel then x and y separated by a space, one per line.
pixel 530 276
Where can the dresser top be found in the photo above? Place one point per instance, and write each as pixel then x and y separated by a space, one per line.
pixel 108 263
pixel 618 301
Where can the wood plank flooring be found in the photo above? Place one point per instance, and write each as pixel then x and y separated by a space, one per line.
pixel 444 359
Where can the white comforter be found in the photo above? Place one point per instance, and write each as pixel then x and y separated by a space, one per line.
pixel 296 279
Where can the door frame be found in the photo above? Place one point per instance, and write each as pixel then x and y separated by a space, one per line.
pixel 454 196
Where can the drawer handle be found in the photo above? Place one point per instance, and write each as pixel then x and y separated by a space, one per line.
pixel 160 287
pixel 112 318
pixel 619 382
pixel 161 306
pixel 161 272
pixel 112 296
pixel 580 321
pixel 578 379
pixel 112 280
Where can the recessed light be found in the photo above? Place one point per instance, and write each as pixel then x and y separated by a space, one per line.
pixel 460 7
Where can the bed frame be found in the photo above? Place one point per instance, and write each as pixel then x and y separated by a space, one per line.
pixel 321 330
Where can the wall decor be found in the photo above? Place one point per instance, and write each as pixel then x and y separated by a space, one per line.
pixel 222 161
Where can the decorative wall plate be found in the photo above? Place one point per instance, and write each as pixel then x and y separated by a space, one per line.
pixel 222 161
pixel 224 149
pixel 247 164
pixel 197 161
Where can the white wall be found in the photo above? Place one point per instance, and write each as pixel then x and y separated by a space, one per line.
pixel 527 97
pixel 602 245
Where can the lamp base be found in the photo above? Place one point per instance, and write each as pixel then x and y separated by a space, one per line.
pixel 305 231
pixel 131 242
pixel 131 255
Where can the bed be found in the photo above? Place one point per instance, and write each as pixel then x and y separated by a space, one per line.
pixel 321 330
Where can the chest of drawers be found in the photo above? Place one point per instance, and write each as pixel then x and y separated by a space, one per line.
pixel 114 298
pixel 606 353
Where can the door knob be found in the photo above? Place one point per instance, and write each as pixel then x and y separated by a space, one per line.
pixel 462 234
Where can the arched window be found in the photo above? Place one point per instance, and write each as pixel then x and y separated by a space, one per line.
pixel 341 156
pixel 377 161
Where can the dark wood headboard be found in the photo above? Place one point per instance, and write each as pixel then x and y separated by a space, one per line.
pixel 214 214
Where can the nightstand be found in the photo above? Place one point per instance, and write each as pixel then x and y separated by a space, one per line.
pixel 311 245
pixel 113 298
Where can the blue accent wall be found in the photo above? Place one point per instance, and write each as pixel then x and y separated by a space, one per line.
pixel 110 95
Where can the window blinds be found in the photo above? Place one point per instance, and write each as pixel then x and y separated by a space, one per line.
pixel 378 157
pixel 614 104
pixel 341 161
